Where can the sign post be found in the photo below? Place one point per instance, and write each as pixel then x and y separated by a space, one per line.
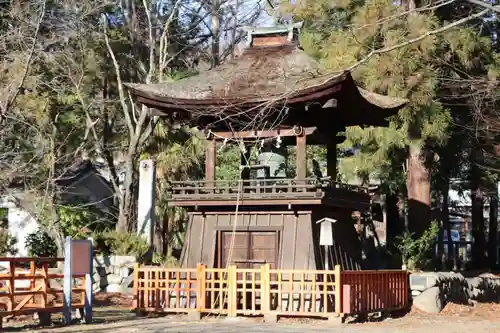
pixel 146 202
pixel 68 280
pixel 79 256
pixel 326 237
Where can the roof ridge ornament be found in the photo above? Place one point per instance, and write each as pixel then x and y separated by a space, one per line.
pixel 279 29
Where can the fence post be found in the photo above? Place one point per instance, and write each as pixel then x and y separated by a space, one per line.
pixel 135 287
pixel 338 290
pixel 265 288
pixel 232 291
pixel 200 288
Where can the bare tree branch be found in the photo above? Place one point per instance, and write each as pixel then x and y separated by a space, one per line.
pixel 485 5
pixel 121 91
pixel 12 98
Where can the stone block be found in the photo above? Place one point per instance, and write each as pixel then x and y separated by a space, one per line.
pixel 128 281
pixel 56 284
pixel 194 316
pixel 114 288
pixel 4 266
pixel 336 320
pixel 128 261
pixel 56 270
pixel 96 277
pixel 429 301
pixel 270 318
pixel 415 292
pixel 124 272
pixel 474 282
pixel 114 279
pixel 102 261
pixel 104 270
pixel 423 281
pixel 22 284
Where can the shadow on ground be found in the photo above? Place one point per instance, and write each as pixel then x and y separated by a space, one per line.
pixel 101 315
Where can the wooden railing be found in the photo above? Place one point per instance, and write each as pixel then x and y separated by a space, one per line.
pixel 260 189
pixel 265 291
pixel 304 292
pixel 374 291
pixel 28 286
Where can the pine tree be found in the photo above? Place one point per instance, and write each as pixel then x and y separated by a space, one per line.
pixel 437 74
pixel 409 72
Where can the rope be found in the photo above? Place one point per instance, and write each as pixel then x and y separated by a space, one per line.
pixel 233 237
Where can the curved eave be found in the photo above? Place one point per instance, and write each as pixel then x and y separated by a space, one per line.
pixel 384 104
pixel 368 108
pixel 309 94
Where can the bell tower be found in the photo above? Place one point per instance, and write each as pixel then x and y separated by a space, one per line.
pixel 273 96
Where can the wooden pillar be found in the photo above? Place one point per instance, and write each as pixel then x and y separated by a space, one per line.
pixel 210 158
pixel 331 161
pixel 301 158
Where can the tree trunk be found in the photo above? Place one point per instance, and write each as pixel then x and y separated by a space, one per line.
pixel 159 242
pixel 394 224
pixel 493 228
pixel 126 221
pixel 419 191
pixel 478 246
pixel 447 258
pixel 215 33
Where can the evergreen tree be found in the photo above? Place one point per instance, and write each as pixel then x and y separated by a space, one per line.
pixel 436 74
pixel 358 28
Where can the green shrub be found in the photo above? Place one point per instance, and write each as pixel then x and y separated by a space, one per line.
pixel 79 220
pixel 167 261
pixel 121 243
pixel 7 243
pixel 417 253
pixel 40 244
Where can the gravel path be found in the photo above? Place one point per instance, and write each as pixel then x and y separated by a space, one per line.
pixel 409 324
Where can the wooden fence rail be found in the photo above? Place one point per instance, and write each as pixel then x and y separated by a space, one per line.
pixel 264 291
pixel 28 286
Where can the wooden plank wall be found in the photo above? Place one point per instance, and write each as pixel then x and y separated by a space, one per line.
pixel 296 243
pixel 346 251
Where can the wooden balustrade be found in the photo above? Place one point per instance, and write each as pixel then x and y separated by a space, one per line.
pixel 258 186
pixel 235 291
pixel 216 192
pixel 28 286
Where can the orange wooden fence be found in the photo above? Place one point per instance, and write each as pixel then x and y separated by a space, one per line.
pixel 29 287
pixel 374 291
pixel 234 291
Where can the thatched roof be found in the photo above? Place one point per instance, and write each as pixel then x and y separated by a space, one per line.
pixel 258 75
pixel 274 76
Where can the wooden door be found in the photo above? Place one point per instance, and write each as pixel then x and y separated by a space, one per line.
pixel 249 249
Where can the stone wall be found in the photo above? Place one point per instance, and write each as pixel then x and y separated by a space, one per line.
pixel 113 274
pixel 431 291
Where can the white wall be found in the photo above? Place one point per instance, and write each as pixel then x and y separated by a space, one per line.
pixel 21 224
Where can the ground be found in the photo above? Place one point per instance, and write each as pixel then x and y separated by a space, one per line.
pixel 111 316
